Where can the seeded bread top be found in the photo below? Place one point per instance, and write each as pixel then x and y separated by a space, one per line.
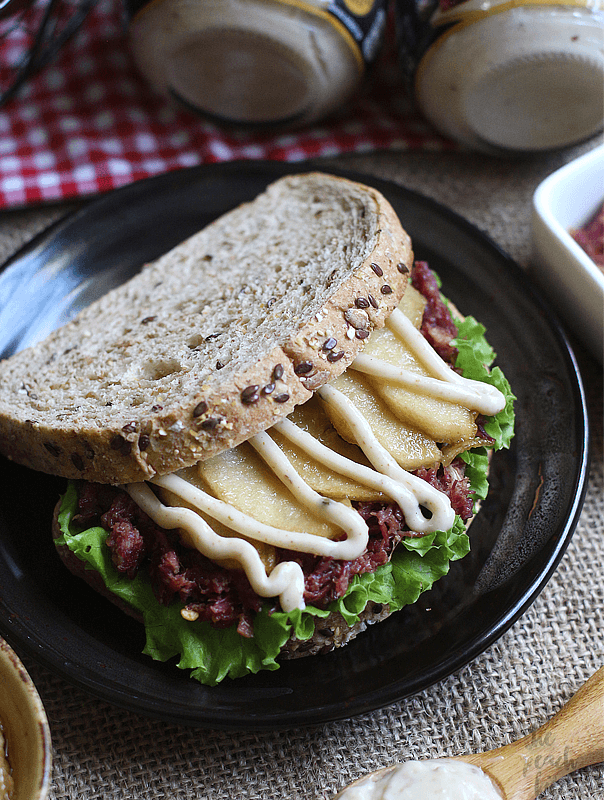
pixel 213 342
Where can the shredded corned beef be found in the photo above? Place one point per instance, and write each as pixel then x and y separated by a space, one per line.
pixel 437 324
pixel 451 481
pixel 224 597
pixel 326 579
pixel 220 596
pixel 591 237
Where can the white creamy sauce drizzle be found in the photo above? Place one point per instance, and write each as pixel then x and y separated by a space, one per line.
pixel 410 493
pixel 285 581
pixel 406 493
pixel 438 503
pixel 437 779
pixel 344 517
pixel 448 384
pixel 450 391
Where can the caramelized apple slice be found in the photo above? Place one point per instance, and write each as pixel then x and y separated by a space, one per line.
pixel 410 448
pixel 440 420
pixel 413 305
pixel 192 475
pixel 311 418
pixel 240 477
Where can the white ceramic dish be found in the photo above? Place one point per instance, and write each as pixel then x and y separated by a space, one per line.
pixel 565 200
pixel 25 728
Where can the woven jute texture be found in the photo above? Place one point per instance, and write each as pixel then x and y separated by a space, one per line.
pixel 100 751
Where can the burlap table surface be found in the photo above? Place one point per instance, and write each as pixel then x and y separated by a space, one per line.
pixel 100 751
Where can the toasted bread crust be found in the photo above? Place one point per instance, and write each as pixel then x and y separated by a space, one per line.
pixel 48 427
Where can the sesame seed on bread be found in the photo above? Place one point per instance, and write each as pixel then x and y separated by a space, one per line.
pixel 213 342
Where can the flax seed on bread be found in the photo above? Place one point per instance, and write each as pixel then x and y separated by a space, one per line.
pixel 214 341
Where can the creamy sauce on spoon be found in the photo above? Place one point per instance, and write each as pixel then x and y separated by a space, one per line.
pixel 433 779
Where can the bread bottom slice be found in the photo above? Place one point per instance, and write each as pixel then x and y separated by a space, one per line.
pixel 333 632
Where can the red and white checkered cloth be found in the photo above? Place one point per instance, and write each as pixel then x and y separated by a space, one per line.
pixel 88 122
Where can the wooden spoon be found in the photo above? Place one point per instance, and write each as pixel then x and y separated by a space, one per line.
pixel 572 739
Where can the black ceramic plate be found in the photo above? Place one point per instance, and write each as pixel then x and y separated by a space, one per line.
pixel 517 540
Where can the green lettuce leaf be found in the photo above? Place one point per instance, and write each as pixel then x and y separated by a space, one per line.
pixel 417 563
pixel 474 359
pixel 214 654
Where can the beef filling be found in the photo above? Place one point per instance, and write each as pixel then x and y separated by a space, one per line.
pixel 591 237
pixel 437 324
pixel 224 597
pixel 219 596
pixel 327 579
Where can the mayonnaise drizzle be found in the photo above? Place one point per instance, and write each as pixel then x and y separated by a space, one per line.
pixel 410 493
pixel 343 516
pixel 447 384
pixel 474 398
pixel 405 489
pixel 238 521
pixel 436 502
pixel 285 581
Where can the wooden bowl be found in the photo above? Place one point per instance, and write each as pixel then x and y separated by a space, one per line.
pixel 25 729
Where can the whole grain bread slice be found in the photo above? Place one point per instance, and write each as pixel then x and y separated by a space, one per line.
pixel 213 342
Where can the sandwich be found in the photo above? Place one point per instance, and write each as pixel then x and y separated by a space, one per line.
pixel 274 435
